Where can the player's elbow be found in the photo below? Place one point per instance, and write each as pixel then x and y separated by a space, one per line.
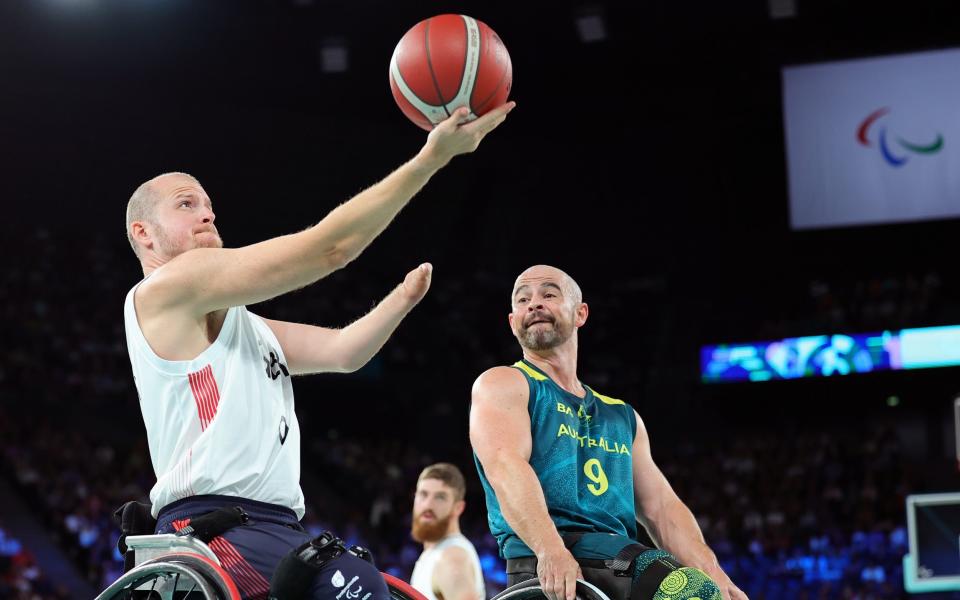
pixel 502 468
pixel 659 507
pixel 346 249
pixel 351 363
pixel 337 257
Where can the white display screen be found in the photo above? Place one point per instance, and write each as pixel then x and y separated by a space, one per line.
pixel 873 141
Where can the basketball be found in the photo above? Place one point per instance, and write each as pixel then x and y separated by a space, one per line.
pixel 449 61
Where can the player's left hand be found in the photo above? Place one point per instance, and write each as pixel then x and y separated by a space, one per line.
pixel 456 135
pixel 416 284
pixel 728 590
pixel 732 592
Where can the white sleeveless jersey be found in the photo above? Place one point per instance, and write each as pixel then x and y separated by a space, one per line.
pixel 222 423
pixel 422 578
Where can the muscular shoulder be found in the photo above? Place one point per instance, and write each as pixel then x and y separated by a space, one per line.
pixel 499 421
pixel 501 384
pixel 173 330
pixel 170 286
pixel 202 281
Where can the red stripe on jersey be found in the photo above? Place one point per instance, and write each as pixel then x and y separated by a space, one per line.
pixel 252 584
pixel 179 524
pixel 205 393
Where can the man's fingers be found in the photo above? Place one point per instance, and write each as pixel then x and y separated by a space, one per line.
pixel 558 589
pixel 572 585
pixel 499 112
pixel 732 592
pixel 455 119
pixel 546 584
pixel 491 120
pixel 462 115
pixel 420 275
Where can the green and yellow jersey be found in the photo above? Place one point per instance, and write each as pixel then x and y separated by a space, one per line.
pixel 582 456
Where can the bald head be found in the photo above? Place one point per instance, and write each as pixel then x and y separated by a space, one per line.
pixel 143 203
pixel 539 274
pixel 546 309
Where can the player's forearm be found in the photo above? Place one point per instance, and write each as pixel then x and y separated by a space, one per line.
pixel 524 506
pixel 348 229
pixel 216 279
pixel 674 529
pixel 361 340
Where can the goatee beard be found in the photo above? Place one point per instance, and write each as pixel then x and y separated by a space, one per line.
pixel 539 340
pixel 429 532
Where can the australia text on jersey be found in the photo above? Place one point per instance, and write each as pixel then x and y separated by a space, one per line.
pixel 611 446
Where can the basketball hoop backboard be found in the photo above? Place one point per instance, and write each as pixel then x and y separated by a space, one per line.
pixel 933 525
pixel 956 428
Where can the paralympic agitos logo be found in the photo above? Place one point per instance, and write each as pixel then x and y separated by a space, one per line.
pixel 893 155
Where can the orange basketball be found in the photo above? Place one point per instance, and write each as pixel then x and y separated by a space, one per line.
pixel 446 62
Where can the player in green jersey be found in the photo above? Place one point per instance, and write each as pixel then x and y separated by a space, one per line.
pixel 568 471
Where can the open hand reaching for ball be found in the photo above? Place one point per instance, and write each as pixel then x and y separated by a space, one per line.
pixel 456 136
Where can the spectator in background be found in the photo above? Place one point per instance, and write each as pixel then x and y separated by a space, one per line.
pixel 448 568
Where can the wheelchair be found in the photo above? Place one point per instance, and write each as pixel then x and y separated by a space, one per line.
pixel 171 567
pixel 183 567
pixel 531 590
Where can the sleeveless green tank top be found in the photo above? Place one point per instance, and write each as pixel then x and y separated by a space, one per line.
pixel 582 455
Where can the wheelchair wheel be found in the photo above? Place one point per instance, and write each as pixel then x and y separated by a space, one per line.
pixel 175 576
pixel 531 590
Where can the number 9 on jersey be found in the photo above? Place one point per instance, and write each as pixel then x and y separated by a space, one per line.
pixel 594 473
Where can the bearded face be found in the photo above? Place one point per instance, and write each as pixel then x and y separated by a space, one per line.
pixel 546 308
pixel 172 242
pixel 435 508
pixel 427 527
pixel 542 329
pixel 182 218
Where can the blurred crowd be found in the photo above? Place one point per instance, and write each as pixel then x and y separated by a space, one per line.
pixel 840 303
pixel 20 576
pixel 812 514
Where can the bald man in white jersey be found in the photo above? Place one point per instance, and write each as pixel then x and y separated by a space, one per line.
pixel 214 378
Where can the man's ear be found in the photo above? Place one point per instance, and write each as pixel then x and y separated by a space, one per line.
pixel 141 234
pixel 583 311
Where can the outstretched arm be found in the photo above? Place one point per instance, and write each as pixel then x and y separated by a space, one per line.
pixel 310 349
pixel 668 520
pixel 500 434
pixel 203 280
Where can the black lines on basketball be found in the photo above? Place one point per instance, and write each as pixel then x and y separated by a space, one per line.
pixel 433 75
pixel 503 75
pixel 447 61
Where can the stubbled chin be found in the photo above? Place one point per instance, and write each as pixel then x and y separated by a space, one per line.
pixel 209 241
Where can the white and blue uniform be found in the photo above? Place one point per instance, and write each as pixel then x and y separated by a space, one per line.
pixel 222 431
